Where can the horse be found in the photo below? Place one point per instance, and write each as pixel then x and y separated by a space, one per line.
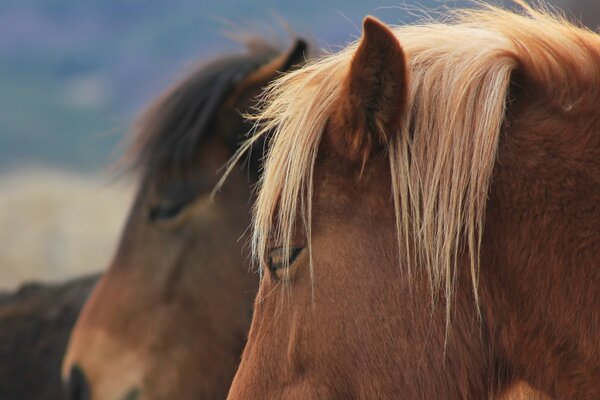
pixel 428 219
pixel 35 323
pixel 169 318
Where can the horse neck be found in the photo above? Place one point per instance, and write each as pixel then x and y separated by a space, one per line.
pixel 539 261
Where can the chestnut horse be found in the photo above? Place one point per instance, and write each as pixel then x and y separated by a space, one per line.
pixel 170 318
pixel 428 222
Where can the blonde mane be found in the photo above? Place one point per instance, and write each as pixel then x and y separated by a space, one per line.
pixel 442 160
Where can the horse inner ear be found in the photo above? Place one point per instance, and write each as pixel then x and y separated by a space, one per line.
pixel 373 97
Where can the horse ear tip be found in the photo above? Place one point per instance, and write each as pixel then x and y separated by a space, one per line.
pixel 372 24
pixel 301 42
pixel 300 45
pixel 370 21
pixel 377 31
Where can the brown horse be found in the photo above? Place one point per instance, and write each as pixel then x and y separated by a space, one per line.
pixel 381 277
pixel 170 317
pixel 35 322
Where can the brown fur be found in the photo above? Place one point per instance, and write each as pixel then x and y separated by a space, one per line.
pixel 169 319
pixel 515 295
pixel 35 323
pixel 542 250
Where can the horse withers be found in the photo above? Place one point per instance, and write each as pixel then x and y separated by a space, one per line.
pixel 170 317
pixel 428 223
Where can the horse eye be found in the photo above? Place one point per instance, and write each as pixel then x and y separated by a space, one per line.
pixel 166 210
pixel 277 259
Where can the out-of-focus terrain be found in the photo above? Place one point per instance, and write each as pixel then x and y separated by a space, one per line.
pixel 56 224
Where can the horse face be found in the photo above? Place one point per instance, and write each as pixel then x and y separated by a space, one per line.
pixel 330 333
pixel 169 318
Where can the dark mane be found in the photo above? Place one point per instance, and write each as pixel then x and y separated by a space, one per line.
pixel 171 129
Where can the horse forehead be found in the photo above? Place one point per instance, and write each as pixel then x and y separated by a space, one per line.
pixel 338 181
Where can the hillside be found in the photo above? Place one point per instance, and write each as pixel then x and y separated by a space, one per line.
pixel 55 225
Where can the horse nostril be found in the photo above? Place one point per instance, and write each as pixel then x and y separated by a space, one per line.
pixel 78 387
pixel 133 394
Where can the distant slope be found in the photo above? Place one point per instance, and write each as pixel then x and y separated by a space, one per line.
pixel 55 225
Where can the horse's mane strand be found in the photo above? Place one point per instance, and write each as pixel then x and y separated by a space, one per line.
pixel 170 130
pixel 442 159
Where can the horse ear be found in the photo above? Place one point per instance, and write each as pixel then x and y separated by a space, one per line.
pixel 374 93
pixel 296 56
pixel 288 61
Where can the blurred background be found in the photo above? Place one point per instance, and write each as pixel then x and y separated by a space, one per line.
pixel 73 76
